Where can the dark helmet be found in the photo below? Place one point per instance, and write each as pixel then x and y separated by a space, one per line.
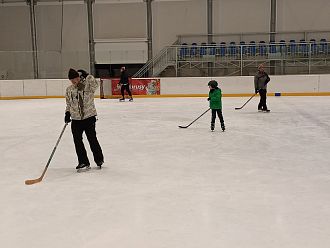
pixel 213 83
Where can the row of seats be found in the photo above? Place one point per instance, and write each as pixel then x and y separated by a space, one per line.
pixel 253 49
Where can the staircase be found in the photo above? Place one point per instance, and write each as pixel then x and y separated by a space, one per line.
pixel 166 57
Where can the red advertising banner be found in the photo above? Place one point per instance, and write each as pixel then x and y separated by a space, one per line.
pixel 142 86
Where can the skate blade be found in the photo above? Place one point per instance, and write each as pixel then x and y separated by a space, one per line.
pixel 83 169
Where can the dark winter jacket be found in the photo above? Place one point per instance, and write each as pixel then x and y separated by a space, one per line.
pixel 80 99
pixel 261 80
pixel 123 78
pixel 215 98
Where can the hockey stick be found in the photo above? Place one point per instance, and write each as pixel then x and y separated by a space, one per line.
pixel 247 101
pixel 195 119
pixel 38 180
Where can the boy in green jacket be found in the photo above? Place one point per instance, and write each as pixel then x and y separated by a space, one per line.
pixel 215 104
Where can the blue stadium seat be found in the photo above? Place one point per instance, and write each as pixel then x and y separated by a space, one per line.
pixel 262 48
pixel 184 50
pixel 232 49
pixel 217 49
pixel 202 50
pixel 223 46
pixel 292 47
pixel 323 46
pixel 193 49
pixel 252 48
pixel 242 47
pixel 272 47
pixel 303 48
pixel 282 46
pixel 212 49
pixel 314 48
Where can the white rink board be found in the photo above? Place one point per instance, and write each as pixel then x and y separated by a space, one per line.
pixel 180 86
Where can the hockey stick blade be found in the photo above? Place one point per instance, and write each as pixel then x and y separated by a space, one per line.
pixel 195 119
pixel 246 102
pixel 33 181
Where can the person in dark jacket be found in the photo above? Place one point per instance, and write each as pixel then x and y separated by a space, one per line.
pixel 124 84
pixel 215 96
pixel 261 80
pixel 80 109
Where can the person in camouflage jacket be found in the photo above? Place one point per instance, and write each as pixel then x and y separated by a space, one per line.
pixel 80 109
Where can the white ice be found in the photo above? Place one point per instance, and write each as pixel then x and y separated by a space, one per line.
pixel 264 183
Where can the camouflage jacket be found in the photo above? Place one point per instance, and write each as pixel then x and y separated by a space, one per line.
pixel 80 99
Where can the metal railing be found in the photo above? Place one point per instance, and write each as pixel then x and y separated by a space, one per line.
pixel 166 57
pixel 256 36
pixel 219 56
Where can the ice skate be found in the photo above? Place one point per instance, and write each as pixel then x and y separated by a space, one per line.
pixel 122 99
pixel 99 164
pixel 131 99
pixel 223 127
pixel 83 167
pixel 212 127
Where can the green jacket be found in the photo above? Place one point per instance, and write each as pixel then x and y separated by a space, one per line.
pixel 215 98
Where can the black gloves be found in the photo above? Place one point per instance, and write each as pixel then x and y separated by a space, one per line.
pixel 83 74
pixel 80 86
pixel 256 91
pixel 208 99
pixel 67 117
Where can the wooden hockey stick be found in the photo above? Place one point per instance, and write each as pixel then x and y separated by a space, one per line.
pixel 247 101
pixel 38 180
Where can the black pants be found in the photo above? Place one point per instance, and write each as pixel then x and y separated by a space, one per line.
pixel 263 96
pixel 219 112
pixel 87 126
pixel 125 87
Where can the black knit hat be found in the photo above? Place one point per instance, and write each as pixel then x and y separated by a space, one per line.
pixel 213 83
pixel 73 74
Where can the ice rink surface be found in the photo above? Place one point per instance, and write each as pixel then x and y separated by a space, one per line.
pixel 264 183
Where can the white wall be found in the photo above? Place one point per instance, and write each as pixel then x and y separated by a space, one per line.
pixel 56 53
pixel 120 20
pixel 15 28
pixel 178 86
pixel 237 16
pixel 303 15
pixel 15 35
pixel 61 48
pixel 127 19
pixel 111 51
pixel 172 18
